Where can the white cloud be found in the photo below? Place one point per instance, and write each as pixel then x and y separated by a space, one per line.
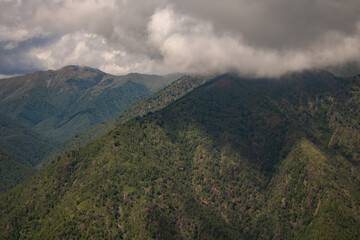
pixel 19 34
pixel 187 43
pixel 265 37
pixel 90 50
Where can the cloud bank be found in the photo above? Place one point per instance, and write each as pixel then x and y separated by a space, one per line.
pixel 261 38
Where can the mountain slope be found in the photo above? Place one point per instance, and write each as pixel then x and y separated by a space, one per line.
pixel 13 170
pixel 20 141
pixel 149 104
pixel 57 104
pixel 21 149
pixel 236 158
pixel 309 181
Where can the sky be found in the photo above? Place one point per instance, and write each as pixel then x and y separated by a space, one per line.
pixel 259 38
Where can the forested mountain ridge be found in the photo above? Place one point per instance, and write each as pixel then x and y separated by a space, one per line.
pixel 43 109
pixel 58 104
pixel 21 150
pixel 236 158
pixel 13 170
pixel 149 104
pixel 21 141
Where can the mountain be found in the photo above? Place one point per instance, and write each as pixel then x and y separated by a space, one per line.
pixel 21 149
pixel 346 69
pixel 149 104
pixel 17 139
pixel 57 104
pixel 13 170
pixel 236 158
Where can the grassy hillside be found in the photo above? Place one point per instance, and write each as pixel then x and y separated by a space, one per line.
pixel 234 159
pixel 57 104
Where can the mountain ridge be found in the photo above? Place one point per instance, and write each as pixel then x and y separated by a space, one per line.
pixel 234 159
pixel 148 105
pixel 40 110
pixel 13 170
pixel 21 141
pixel 59 103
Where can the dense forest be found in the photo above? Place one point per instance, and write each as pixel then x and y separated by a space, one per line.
pixel 235 158
pixel 40 111
pixel 149 104
pixel 58 104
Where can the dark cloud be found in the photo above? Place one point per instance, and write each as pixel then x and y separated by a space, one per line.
pixel 264 37
pixel 18 63
pixel 277 23
pixel 16 57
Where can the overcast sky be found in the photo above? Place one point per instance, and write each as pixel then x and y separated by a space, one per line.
pixel 262 37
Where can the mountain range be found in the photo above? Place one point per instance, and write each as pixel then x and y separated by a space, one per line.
pixel 19 140
pixel 58 104
pixel 149 104
pixel 233 158
pixel 42 110
pixel 21 150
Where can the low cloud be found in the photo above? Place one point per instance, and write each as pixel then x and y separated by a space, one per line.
pixel 261 38
pixel 187 43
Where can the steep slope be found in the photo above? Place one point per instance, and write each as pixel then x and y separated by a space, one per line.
pixel 20 141
pixel 308 181
pixel 13 170
pixel 152 103
pixel 235 158
pixel 21 149
pixel 57 104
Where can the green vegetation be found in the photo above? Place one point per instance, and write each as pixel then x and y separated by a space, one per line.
pixel 18 140
pixel 58 104
pixel 49 107
pixel 13 170
pixel 145 106
pixel 234 159
pixel 20 151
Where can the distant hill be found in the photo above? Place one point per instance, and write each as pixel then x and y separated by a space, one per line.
pixel 41 110
pixel 145 106
pixel 235 158
pixel 58 104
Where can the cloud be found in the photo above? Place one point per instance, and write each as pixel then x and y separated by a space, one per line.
pixel 110 35
pixel 187 43
pixel 263 38
pixel 90 50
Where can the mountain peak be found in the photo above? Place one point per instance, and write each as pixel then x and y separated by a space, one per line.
pixel 78 68
pixel 70 67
